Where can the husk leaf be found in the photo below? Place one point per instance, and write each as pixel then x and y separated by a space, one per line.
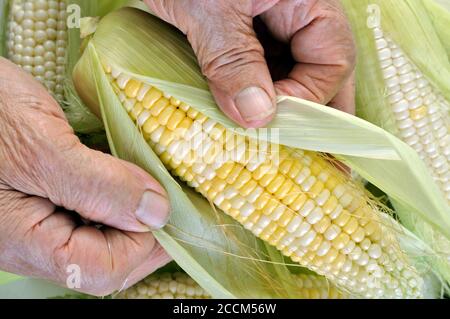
pixel 28 288
pixel 80 117
pixel 439 12
pixel 4 9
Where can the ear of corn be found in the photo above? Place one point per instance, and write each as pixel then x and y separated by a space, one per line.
pixel 213 249
pixel 165 286
pixel 300 204
pixel 37 40
pixel 404 87
pixel 181 286
pixel 294 200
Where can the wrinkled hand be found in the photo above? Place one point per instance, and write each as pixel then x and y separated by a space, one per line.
pixel 45 174
pixel 221 32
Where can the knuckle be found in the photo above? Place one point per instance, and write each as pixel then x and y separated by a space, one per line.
pixel 229 63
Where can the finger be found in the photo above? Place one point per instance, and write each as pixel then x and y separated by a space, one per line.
pixel 321 43
pixel 107 190
pixel 39 242
pixel 50 162
pixel 345 99
pixel 157 259
pixel 260 6
pixel 230 55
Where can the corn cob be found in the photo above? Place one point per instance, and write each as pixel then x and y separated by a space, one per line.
pixel 420 110
pixel 294 200
pixel 181 286
pixel 37 40
pixel 165 286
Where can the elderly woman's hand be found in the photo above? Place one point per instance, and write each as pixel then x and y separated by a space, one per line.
pixel 319 64
pixel 48 180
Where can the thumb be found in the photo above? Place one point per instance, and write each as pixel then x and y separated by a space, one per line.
pixel 230 55
pixel 107 190
pixel 233 61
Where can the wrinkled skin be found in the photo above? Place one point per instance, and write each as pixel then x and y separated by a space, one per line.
pixel 48 179
pixel 45 172
pixel 221 32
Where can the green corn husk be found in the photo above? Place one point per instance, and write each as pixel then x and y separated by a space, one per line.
pixel 4 8
pixel 79 116
pixel 157 55
pixel 422 44
pixel 439 11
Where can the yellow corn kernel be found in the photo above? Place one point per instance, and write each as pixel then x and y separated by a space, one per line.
pixel 295 170
pixel 330 205
pixel 342 219
pixel 200 118
pixel 167 137
pixel 283 189
pixel 234 174
pixel 159 106
pixel 270 206
pixel 322 225
pixel 286 166
pixel 132 88
pixel 268 231
pixel 351 226
pixel 340 241
pixel 315 168
pixel 175 102
pixel 151 97
pixel 248 188
pixel 137 109
pixel 225 170
pixel 242 179
pixel 165 114
pixel 150 126
pixel 253 218
pixel 185 124
pixel 276 236
pixel 267 179
pixel 299 202
pixel 331 183
pixel 331 255
pixel 275 184
pixel 192 113
pixel 262 201
pixel 262 170
pixel 284 219
pixel 291 196
pixel 316 189
pixel 175 119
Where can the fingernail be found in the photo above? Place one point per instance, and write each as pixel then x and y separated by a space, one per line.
pixel 254 104
pixel 153 210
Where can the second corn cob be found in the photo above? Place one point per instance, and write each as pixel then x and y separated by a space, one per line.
pixel 37 41
pixel 421 112
pixel 181 286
